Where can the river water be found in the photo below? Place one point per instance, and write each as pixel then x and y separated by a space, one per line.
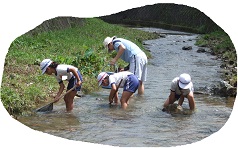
pixel 143 124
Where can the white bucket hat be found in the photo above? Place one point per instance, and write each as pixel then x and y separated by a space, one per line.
pixel 101 77
pixel 107 41
pixel 44 64
pixel 185 81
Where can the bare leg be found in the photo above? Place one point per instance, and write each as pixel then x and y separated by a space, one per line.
pixel 69 100
pixel 125 99
pixel 191 101
pixel 141 88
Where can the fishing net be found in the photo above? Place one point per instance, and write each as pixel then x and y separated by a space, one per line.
pixel 46 108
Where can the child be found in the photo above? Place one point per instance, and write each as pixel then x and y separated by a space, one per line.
pixel 181 87
pixel 126 80
pixel 130 53
pixel 70 73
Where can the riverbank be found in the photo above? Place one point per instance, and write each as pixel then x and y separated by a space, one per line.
pixel 219 45
pixel 24 88
pixel 222 47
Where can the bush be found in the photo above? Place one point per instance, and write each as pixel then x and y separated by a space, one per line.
pixel 23 86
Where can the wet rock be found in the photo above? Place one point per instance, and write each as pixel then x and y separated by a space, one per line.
pixel 175 108
pixel 233 82
pixel 145 44
pixel 201 50
pixel 148 50
pixel 223 65
pixel 224 89
pixel 79 94
pixel 201 93
pixel 162 35
pixel 231 62
pixel 99 99
pixel 232 91
pixel 229 71
pixel 187 47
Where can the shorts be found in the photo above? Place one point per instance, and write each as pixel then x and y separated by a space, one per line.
pixel 177 96
pixel 138 66
pixel 131 84
pixel 73 81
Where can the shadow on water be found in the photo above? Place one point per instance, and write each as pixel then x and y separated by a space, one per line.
pixel 143 123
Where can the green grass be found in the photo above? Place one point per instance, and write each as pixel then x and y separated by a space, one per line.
pixel 221 45
pixel 24 88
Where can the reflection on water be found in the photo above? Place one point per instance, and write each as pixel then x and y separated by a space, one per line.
pixel 143 123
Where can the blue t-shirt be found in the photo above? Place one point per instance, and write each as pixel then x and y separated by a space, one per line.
pixel 130 48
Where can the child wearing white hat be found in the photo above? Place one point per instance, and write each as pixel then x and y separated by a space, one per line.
pixel 125 79
pixel 130 53
pixel 181 87
pixel 61 72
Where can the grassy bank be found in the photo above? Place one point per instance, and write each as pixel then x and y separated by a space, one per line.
pixel 24 88
pixel 221 46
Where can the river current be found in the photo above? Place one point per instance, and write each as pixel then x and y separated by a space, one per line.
pixel 143 124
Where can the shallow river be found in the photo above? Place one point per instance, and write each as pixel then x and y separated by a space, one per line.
pixel 143 123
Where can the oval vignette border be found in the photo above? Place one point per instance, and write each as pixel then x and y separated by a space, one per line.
pixel 13 133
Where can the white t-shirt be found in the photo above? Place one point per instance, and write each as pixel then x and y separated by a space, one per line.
pixel 116 78
pixel 62 71
pixel 175 87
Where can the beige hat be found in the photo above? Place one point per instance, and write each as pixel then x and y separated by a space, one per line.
pixel 107 41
